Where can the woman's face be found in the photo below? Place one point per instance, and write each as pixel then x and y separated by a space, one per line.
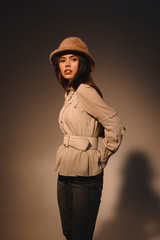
pixel 68 65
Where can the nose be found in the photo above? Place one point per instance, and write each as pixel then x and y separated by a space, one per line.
pixel 67 63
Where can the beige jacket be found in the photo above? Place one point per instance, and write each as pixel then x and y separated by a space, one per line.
pixel 83 114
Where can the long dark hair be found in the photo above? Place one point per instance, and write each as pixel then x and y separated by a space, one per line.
pixel 83 75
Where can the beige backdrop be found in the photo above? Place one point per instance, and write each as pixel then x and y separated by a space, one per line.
pixel 124 43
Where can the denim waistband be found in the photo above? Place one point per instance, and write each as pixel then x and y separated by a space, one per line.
pixel 98 177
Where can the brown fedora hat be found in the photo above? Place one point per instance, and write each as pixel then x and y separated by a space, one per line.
pixel 73 45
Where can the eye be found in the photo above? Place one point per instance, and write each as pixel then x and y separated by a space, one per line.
pixel 62 60
pixel 74 59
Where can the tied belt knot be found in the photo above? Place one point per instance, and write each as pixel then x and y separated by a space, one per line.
pixel 81 142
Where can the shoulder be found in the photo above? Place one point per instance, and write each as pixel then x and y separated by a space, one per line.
pixel 84 86
pixel 93 103
pixel 89 96
pixel 86 90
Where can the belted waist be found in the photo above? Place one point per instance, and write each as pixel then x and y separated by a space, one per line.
pixel 81 142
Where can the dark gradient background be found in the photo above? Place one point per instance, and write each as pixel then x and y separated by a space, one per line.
pixel 123 37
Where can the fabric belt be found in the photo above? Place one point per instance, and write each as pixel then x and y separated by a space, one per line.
pixel 80 142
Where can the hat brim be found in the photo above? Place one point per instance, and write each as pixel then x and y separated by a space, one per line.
pixel 58 53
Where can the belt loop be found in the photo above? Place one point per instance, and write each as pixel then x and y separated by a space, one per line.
pixel 66 140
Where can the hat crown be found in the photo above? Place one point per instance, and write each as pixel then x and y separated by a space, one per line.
pixel 73 43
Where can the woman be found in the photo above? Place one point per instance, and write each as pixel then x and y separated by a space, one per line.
pixel 83 118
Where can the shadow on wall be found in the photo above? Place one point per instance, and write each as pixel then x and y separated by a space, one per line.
pixel 138 212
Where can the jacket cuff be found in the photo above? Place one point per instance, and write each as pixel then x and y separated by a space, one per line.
pixel 105 153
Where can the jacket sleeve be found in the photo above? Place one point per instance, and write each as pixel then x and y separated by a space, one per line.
pixel 94 105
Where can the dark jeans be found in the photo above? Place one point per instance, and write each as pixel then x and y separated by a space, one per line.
pixel 79 199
